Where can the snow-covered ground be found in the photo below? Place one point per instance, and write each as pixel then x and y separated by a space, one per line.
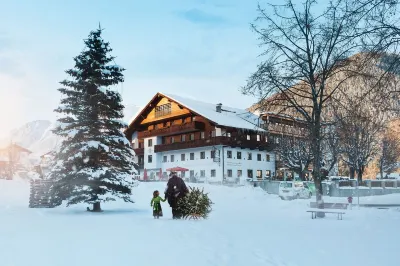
pixel 246 227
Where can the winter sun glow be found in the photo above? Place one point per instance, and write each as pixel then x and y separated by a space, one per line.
pixel 11 105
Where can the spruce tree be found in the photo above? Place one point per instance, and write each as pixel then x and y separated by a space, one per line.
pixel 95 161
pixel 196 204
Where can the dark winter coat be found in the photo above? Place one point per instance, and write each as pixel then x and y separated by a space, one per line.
pixel 176 188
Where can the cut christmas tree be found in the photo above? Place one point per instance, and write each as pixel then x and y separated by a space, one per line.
pixel 195 205
pixel 95 162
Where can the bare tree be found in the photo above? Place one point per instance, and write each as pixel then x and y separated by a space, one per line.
pixel 389 154
pixel 359 129
pixel 295 153
pixel 331 149
pixel 303 50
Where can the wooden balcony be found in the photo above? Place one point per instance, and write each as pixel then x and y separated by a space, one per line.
pixel 139 151
pixel 285 130
pixel 172 130
pixel 222 140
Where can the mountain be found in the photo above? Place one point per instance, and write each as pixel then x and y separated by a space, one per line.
pixel 28 133
pixel 37 137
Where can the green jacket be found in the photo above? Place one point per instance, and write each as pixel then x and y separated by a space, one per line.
pixel 156 200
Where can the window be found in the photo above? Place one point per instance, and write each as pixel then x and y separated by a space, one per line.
pixel 213 133
pixel 202 155
pixel 182 173
pixel 202 173
pixel 229 172
pixel 229 154
pixel 268 158
pixel 163 110
pixel 202 135
pixel 213 173
pixel 258 137
pixel 267 173
pixel 164 159
pixel 228 134
pixel 258 156
pixel 192 156
pixel 183 138
pixel 172 158
pixel 172 139
pixel 239 173
pixel 239 155
pixel 248 137
pixel 150 158
pixel 277 140
pixel 191 136
pixel 150 142
pixel 141 159
pixel 183 157
pixel 249 157
pixel 259 174
pixel 250 173
pixel 191 173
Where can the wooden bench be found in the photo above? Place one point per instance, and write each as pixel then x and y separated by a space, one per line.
pixel 314 213
pixel 338 206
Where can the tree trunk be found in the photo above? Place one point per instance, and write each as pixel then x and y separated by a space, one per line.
pixel 351 172
pixel 316 149
pixel 381 168
pixel 96 207
pixel 360 174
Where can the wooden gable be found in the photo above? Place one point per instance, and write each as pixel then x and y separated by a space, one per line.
pixel 164 109
pixel 161 109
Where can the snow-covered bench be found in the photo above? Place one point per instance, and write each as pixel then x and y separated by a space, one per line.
pixel 314 213
pixel 327 205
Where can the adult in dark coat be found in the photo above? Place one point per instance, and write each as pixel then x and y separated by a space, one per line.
pixel 176 189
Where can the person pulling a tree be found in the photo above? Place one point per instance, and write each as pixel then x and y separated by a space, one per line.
pixel 176 189
pixel 156 204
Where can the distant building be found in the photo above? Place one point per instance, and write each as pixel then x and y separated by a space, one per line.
pixel 281 126
pixel 215 143
pixel 10 159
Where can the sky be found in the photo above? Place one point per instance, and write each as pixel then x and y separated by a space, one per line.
pixel 201 48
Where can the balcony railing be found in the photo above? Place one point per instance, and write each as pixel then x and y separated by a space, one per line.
pixel 139 151
pixel 172 130
pixel 221 140
pixel 285 130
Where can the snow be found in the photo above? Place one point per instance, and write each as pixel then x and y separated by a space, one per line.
pixel 95 144
pixel 247 227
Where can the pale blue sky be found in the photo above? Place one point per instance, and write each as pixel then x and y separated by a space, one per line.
pixel 202 48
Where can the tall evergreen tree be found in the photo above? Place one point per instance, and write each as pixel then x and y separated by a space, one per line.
pixel 95 161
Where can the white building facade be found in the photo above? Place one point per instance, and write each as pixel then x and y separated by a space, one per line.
pixel 212 154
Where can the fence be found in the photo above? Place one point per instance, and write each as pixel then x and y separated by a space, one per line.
pixel 344 188
pixel 41 196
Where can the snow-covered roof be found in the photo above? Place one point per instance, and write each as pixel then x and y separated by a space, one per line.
pixel 229 117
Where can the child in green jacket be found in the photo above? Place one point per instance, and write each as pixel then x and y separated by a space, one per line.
pixel 156 204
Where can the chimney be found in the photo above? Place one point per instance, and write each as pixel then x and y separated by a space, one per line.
pixel 218 107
